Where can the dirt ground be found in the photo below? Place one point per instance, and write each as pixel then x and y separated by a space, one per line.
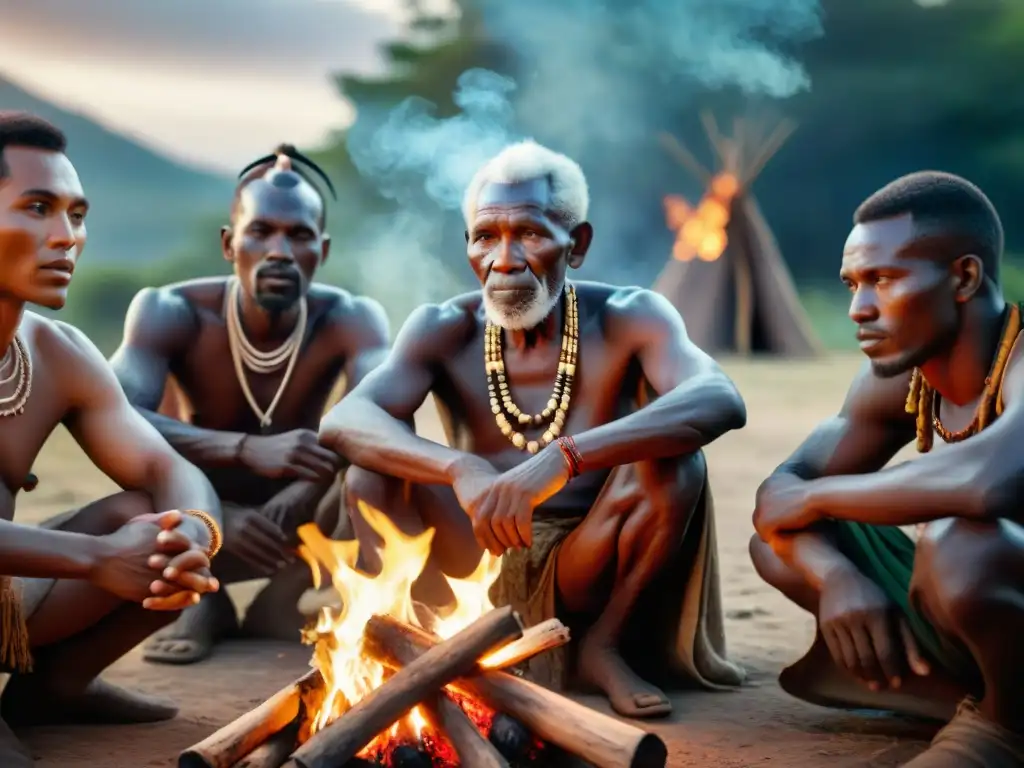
pixel 757 726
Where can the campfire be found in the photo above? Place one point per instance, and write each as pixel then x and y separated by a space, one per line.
pixel 701 231
pixel 395 685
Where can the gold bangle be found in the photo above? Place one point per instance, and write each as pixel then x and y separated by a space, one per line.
pixel 216 539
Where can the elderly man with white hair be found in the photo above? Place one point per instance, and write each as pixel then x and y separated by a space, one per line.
pixel 576 413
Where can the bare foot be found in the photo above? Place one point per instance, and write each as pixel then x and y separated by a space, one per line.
pixel 192 637
pixel 29 701
pixel 600 664
pixel 13 754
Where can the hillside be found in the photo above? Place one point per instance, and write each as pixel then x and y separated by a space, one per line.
pixel 144 205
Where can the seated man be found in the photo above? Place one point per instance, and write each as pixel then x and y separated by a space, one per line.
pixel 256 357
pixel 915 627
pixel 70 592
pixel 600 507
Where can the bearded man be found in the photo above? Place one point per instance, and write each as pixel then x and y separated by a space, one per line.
pixel 576 413
pixel 256 356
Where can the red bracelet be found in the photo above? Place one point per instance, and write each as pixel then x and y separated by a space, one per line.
pixel 572 456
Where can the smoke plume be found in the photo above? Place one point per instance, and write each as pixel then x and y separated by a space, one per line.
pixel 596 79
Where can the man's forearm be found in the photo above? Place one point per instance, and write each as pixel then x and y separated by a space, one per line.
pixel 678 423
pixel 30 552
pixel 927 489
pixel 369 437
pixel 184 486
pixel 203 447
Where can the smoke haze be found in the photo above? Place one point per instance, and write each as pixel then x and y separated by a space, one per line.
pixel 596 79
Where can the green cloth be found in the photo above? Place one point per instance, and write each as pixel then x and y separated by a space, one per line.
pixel 885 554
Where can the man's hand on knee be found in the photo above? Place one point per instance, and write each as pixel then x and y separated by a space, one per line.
pixel 865 633
pixel 501 506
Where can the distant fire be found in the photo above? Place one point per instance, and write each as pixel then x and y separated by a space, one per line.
pixel 700 232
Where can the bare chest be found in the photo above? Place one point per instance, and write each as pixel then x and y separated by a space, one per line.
pixel 218 389
pixel 23 435
pixel 605 379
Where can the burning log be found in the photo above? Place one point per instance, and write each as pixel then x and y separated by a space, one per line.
pixel 238 738
pixel 541 637
pixel 473 749
pixel 599 739
pixel 274 751
pixel 436 667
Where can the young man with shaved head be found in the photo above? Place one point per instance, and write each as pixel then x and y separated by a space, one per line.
pixel 917 626
pixel 256 356
pixel 70 590
pixel 576 415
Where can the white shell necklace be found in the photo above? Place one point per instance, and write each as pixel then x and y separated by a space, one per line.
pixel 245 355
pixel 21 371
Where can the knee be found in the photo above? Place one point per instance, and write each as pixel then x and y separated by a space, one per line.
pixel 682 479
pixel 364 485
pixel 955 565
pixel 381 492
pixel 761 556
pixel 124 508
pixel 766 563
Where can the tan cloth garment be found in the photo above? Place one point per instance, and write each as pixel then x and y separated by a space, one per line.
pixel 677 634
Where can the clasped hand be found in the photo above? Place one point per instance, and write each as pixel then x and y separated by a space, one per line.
pixel 501 505
pixel 154 561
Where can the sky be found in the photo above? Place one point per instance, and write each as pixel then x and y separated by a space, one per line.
pixel 211 82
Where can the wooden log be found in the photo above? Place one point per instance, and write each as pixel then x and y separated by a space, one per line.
pixel 535 640
pixel 341 740
pixel 273 752
pixel 238 738
pixel 473 749
pixel 603 741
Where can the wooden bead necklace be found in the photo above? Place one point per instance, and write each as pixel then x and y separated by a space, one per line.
pixel 923 401
pixel 506 412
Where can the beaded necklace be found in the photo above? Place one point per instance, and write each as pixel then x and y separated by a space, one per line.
pixel 506 412
pixel 923 401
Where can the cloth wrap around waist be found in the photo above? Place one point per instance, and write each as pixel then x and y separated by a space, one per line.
pixel 676 635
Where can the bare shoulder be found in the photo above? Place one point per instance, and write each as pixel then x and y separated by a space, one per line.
pixel 435 331
pixel 62 347
pixel 168 310
pixel 630 306
pixel 348 316
pixel 636 318
pixel 876 399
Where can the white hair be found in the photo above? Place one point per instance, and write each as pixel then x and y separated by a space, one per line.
pixel 528 160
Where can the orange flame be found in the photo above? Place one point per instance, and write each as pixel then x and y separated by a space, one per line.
pixel 701 231
pixel 337 638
